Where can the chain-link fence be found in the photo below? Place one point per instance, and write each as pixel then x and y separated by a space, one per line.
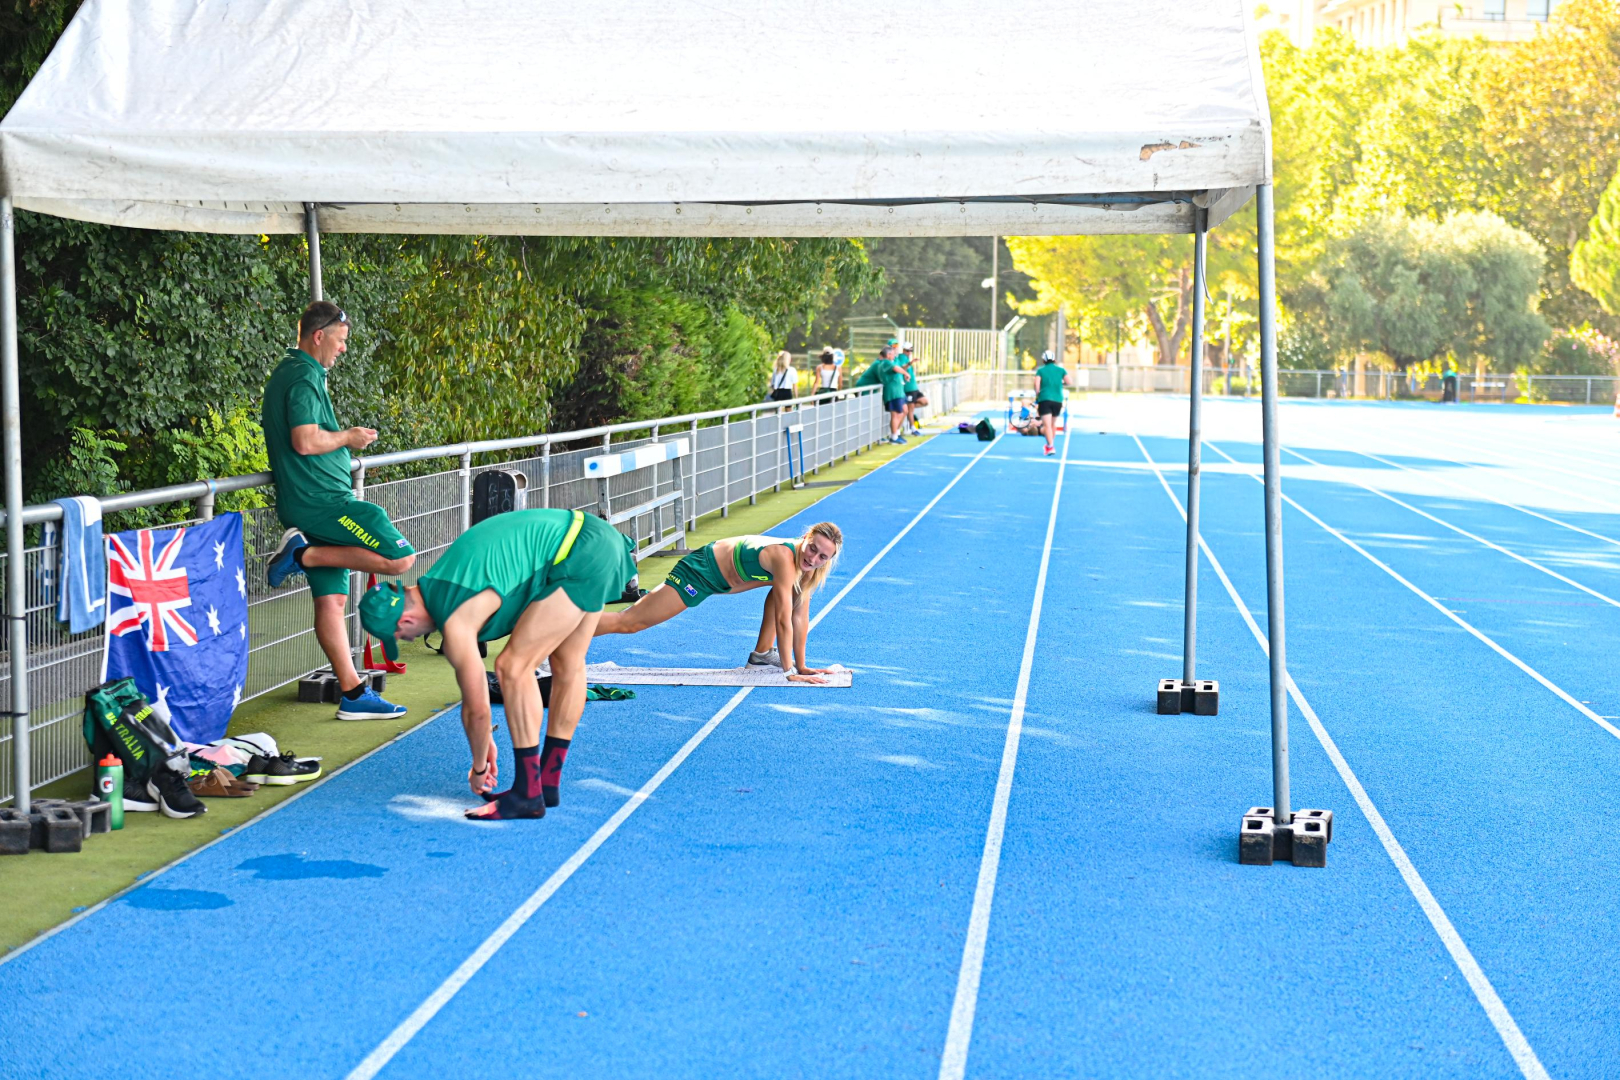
pixel 736 455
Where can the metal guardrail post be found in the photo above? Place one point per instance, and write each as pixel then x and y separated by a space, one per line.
pixel 692 511
pixel 205 507
pixel 466 491
pixel 753 457
pixel 545 475
pixel 16 554
pixel 725 467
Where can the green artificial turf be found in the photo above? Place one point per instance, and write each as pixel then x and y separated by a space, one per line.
pixel 40 891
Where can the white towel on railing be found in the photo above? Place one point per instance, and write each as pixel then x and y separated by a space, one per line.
pixel 81 599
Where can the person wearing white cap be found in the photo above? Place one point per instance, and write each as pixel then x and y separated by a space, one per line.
pixel 1049 398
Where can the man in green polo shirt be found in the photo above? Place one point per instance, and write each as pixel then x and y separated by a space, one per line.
pixel 1049 398
pixel 914 395
pixel 539 578
pixel 330 532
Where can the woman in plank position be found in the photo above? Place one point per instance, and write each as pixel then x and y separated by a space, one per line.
pixel 793 569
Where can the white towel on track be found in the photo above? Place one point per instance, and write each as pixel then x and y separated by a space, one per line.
pixel 614 675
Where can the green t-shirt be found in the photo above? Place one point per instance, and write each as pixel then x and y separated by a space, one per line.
pixel 894 381
pixel 511 553
pixel 296 395
pixel 873 375
pixel 911 377
pixel 1051 376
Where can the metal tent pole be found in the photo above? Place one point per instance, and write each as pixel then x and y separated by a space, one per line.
pixel 312 229
pixel 1281 812
pixel 16 558
pixel 1195 422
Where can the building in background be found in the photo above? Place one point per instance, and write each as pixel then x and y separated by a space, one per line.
pixel 1375 23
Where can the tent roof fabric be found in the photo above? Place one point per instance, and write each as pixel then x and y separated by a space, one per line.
pixel 670 117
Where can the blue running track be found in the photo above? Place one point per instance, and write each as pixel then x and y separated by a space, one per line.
pixel 793 899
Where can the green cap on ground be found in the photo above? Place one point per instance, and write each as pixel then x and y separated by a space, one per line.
pixel 380 610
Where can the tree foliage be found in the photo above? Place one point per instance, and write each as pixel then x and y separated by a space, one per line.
pixel 1552 118
pixel 1414 289
pixel 1594 265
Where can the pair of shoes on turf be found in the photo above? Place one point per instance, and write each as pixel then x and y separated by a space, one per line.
pixel 284 563
pixel 370 705
pixel 219 784
pixel 765 659
pixel 281 770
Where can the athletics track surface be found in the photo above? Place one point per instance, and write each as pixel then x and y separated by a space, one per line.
pixel 793 899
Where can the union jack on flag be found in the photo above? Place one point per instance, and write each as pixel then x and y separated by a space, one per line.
pixel 155 587
pixel 178 622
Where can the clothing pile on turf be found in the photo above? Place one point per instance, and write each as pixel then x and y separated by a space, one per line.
pixel 162 772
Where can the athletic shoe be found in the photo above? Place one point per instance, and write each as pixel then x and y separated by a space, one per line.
pixel 765 659
pixel 174 798
pixel 1048 451
pixel 899 440
pixel 282 564
pixel 140 799
pixel 368 706
pixel 281 770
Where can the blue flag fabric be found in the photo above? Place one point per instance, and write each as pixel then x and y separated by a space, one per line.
pixel 177 620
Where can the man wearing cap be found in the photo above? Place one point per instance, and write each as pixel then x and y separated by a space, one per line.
pixel 541 579
pixel 330 532
pixel 914 395
pixel 884 372
pixel 1049 398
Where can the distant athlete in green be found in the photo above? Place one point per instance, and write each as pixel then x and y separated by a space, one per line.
pixel 330 531
pixel 539 578
pixel 1049 398
pixel 793 569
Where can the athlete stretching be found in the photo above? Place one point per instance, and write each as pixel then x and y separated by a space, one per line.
pixel 793 569
pixel 542 577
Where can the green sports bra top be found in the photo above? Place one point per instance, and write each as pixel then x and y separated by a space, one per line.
pixel 745 555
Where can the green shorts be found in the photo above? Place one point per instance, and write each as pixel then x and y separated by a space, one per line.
pixel 697 577
pixel 352 523
pixel 597 568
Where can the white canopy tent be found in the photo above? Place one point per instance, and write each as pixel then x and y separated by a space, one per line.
pixel 650 117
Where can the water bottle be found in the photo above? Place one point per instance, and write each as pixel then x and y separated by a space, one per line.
pixel 110 787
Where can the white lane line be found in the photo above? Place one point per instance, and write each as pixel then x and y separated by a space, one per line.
pixel 1506 1027
pixel 1505 462
pixel 953 1062
pixel 1611 601
pixel 1442 609
pixel 1435 475
pixel 418 1019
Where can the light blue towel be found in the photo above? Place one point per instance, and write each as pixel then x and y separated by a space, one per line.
pixel 82 599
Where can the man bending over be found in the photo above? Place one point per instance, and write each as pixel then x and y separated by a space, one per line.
pixel 541 578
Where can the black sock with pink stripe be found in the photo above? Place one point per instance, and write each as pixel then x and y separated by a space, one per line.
pixel 552 757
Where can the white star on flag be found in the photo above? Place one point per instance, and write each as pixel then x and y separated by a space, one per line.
pixel 213 619
pixel 236 697
pixel 219 555
pixel 242 627
pixel 162 702
pixel 241 582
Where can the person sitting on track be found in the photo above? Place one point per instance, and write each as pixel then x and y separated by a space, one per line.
pixel 1027 422
pixel 541 579
pixel 793 569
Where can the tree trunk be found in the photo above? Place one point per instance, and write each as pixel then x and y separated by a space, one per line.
pixel 1166 342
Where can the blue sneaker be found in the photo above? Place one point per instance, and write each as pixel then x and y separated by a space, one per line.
pixel 282 564
pixel 368 706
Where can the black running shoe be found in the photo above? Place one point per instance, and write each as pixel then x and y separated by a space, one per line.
pixel 140 799
pixel 174 797
pixel 281 770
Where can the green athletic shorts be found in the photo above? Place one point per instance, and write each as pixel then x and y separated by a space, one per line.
pixel 597 568
pixel 352 523
pixel 697 577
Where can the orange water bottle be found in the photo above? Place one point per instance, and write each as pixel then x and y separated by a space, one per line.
pixel 110 787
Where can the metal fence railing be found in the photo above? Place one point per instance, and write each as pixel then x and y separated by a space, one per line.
pixel 1374 383
pixel 737 455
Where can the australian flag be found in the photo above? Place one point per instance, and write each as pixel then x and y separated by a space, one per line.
pixel 177 620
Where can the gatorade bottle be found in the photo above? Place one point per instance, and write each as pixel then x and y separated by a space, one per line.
pixel 110 787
